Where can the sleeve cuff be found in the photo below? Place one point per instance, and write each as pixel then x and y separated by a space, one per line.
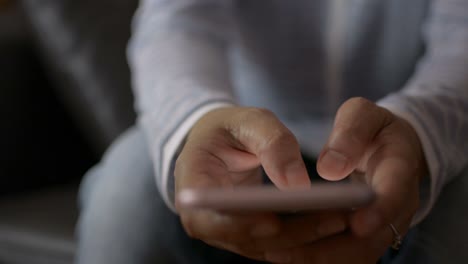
pixel 173 147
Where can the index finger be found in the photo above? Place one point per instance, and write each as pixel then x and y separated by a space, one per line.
pixel 210 224
pixel 278 150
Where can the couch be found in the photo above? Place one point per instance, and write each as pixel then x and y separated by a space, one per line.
pixel 63 63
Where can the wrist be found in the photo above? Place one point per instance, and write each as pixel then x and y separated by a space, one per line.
pixel 413 138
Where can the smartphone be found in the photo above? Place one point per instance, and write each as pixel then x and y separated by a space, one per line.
pixel 321 196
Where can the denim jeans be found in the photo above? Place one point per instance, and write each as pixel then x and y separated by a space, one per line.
pixel 124 220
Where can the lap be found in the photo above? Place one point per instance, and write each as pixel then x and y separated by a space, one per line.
pixel 124 220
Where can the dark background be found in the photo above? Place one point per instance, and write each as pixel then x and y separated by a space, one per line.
pixel 64 97
pixel 40 144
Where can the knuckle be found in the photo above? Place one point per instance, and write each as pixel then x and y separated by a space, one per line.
pixel 275 137
pixel 360 102
pixel 367 108
pixel 278 138
pixel 263 111
pixel 249 117
pixel 253 113
pixel 356 105
pixel 282 135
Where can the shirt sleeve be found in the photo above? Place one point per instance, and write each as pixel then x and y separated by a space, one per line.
pixel 435 100
pixel 178 60
pixel 173 147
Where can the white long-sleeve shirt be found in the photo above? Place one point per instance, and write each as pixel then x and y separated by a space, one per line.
pixel 301 59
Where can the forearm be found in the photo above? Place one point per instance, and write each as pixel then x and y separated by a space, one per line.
pixel 435 100
pixel 178 61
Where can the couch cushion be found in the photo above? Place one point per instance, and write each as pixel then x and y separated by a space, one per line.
pixel 38 227
pixel 84 45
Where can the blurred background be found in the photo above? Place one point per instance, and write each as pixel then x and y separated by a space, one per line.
pixel 63 74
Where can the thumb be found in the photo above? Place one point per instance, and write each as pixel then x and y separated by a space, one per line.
pixel 357 123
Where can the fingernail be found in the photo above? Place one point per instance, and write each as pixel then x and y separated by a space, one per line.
pixel 331 227
pixel 333 161
pixel 278 257
pixel 264 230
